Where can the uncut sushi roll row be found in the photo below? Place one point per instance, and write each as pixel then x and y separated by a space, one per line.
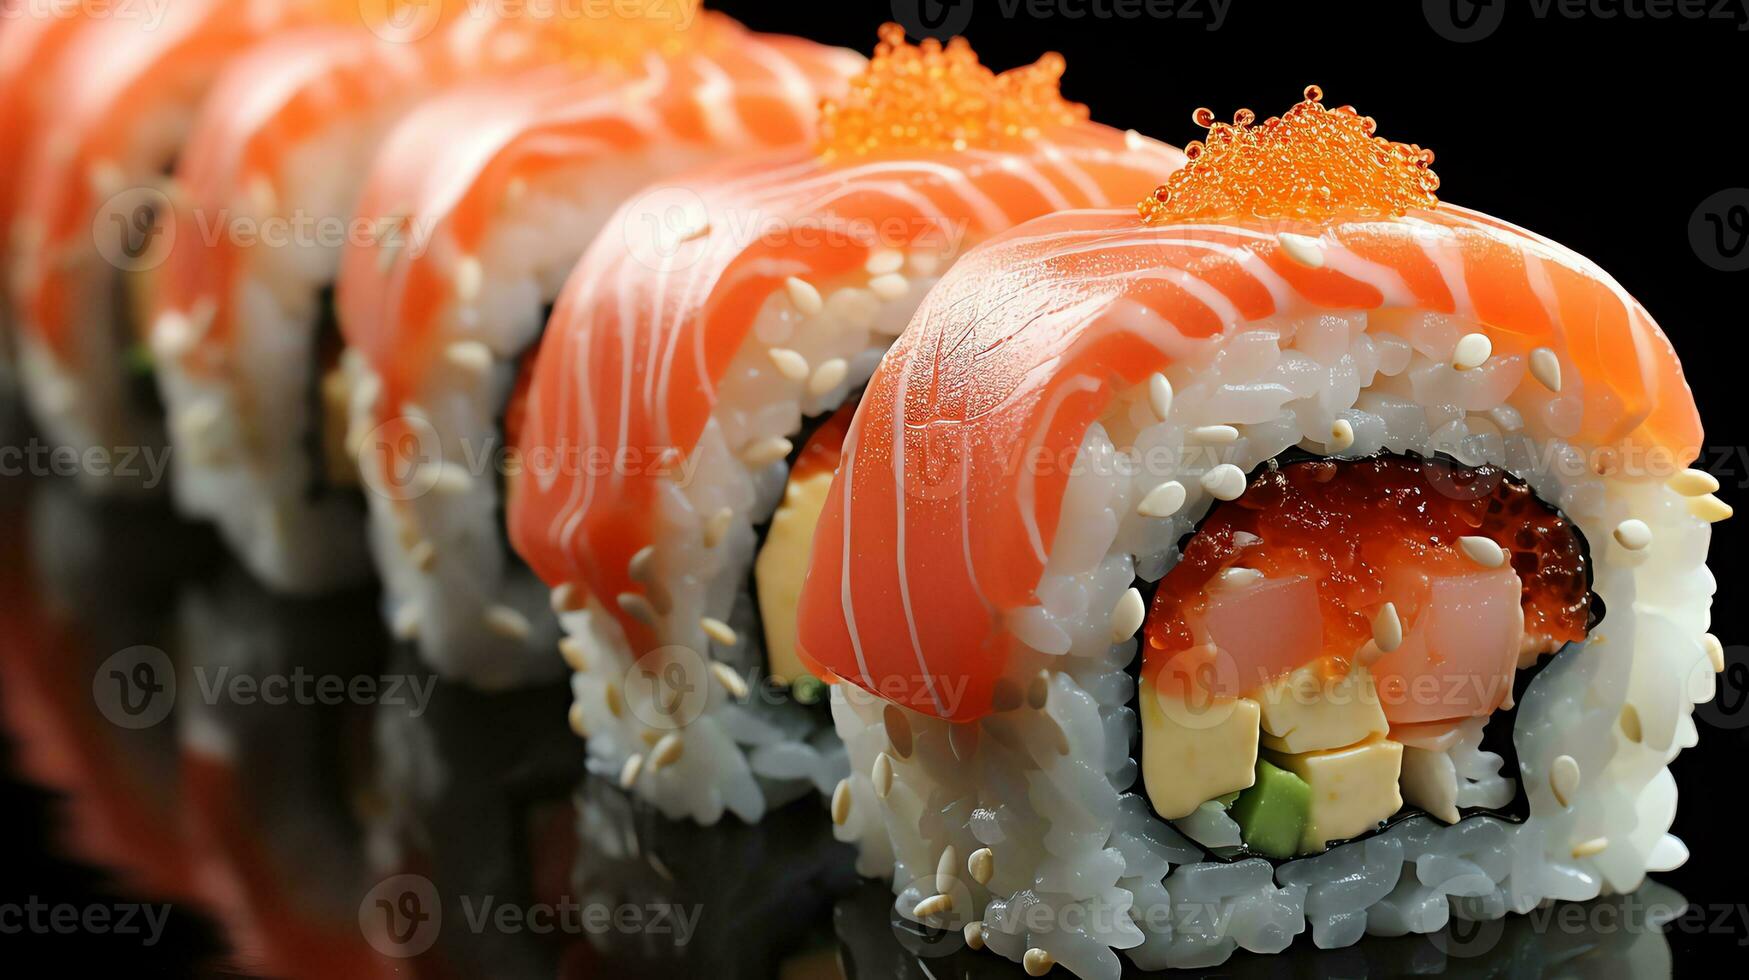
pixel 1302 552
pixel 680 424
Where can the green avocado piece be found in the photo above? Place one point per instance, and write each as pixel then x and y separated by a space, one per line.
pixel 1272 814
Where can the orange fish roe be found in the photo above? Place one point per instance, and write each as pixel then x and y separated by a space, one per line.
pixel 1311 163
pixel 624 33
pixel 939 98
pixel 1351 526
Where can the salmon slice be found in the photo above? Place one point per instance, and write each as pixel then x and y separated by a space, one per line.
pixel 938 524
pixel 638 345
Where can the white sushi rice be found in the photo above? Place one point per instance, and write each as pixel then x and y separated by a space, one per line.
pixel 437 535
pixel 745 746
pixel 242 432
pixel 1082 866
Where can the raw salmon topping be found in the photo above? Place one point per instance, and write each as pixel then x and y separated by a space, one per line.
pixel 1311 163
pixel 940 98
pixel 1365 532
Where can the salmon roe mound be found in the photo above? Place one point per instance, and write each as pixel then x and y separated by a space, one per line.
pixel 1347 523
pixel 1310 163
pixel 932 97
pixel 628 32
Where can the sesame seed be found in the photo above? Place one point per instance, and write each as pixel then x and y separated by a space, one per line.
pixel 1483 551
pixel 1341 435
pixel 1564 779
pixel 828 376
pixel 423 555
pixel 1715 651
pixel 1162 501
pixel 639 567
pixel 719 631
pixel 982 865
pixel 1473 350
pixel 882 775
pixel 841 802
pixel 668 750
pixel 172 336
pixel 1387 628
pixel 616 704
pixel 1038 692
pixel 766 451
pixel 716 526
pixel 1224 482
pixel 575 718
pixel 637 607
pixel 1127 615
pixel 507 622
pixel 629 773
pixel 1633 534
pixel 945 867
pixel 933 905
pixel 883 261
pixel 890 286
pixel 730 680
pixel 804 296
pixel 1710 508
pixel 1302 249
pixel 1159 395
pixel 1694 483
pixel 1630 723
pixel 1585 849
pixel 470 355
pixel 1237 577
pixel 1545 367
pixel 1219 435
pixel 469 277
pixel 1037 962
pixel 974 933
pixel 571 649
pixel 789 363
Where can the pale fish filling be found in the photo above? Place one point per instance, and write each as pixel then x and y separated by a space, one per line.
pixel 1032 821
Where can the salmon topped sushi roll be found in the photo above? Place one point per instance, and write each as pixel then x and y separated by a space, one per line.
pixel 245 338
pixel 499 186
pixel 675 437
pixel 1300 551
pixel 83 213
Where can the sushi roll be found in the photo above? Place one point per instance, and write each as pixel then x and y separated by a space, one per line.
pixel 683 413
pixel 505 183
pixel 84 209
pixel 245 340
pixel 1303 552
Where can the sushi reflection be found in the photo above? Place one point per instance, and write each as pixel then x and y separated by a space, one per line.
pixel 278 821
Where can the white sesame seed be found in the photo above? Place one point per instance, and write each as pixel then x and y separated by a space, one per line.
pixel 885 260
pixel 1224 482
pixel 1341 435
pixel 1473 350
pixel 1159 395
pixel 1219 435
pixel 982 865
pixel 629 773
pixel 716 526
pixel 1237 577
pixel 1127 615
pixel 1038 962
pixel 730 680
pixel 1694 483
pixel 789 363
pixel 423 555
pixel 1483 551
pixel 470 355
pixel 1710 508
pixel 1038 692
pixel 1715 651
pixel 890 286
pixel 452 481
pixel 507 622
pixel 1630 723
pixel 766 451
pixel 933 905
pixel 1162 501
pixel 719 631
pixel 1302 249
pixel 1585 849
pixel 1545 367
pixel 945 868
pixel 804 296
pixel 639 568
pixel 699 230
pixel 638 608
pixel 574 716
pixel 974 932
pixel 571 649
pixel 1633 534
pixel 828 376
pixel 469 277
pixel 882 775
pixel 1564 779
pixel 616 704
pixel 566 598
pixel 172 336
pixel 841 802
pixel 668 750
pixel 1387 628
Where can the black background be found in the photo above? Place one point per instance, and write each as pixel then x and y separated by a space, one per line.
pixel 1602 132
